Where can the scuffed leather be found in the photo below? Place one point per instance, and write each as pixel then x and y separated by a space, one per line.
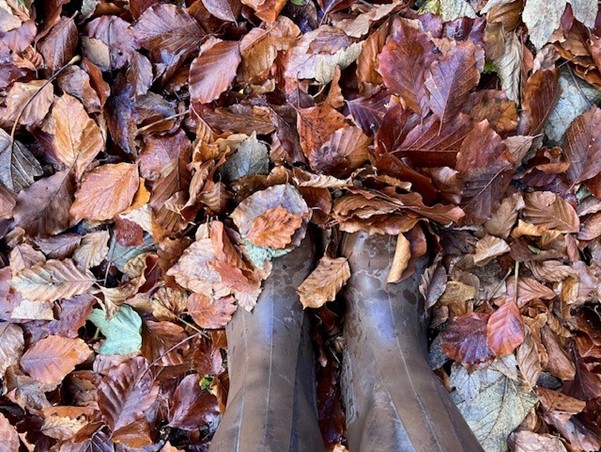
pixel 394 402
pixel 271 403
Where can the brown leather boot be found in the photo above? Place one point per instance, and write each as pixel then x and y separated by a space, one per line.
pixel 271 402
pixel 394 402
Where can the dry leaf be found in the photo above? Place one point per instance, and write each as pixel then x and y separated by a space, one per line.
pixel 402 255
pixel 322 285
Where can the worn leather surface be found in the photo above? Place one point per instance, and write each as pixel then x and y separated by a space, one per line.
pixel 394 402
pixel 271 403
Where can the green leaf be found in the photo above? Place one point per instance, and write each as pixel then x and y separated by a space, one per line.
pixel 122 332
pixel 259 254
pixel 297 2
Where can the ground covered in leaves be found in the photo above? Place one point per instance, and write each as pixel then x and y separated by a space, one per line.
pixel 155 156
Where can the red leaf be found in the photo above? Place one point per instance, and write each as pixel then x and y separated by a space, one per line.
pixel 465 339
pixel 192 407
pixel 505 329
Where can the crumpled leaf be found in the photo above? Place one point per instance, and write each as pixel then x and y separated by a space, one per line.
pixel 345 151
pixel 52 280
pixel 53 358
pixel 322 285
pixel 93 249
pixel 122 331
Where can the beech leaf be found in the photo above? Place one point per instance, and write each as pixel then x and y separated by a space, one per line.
pixel 122 331
pixel 505 329
pixel 105 192
pixel 322 285
pixel 211 314
pixel 52 280
pixel 53 358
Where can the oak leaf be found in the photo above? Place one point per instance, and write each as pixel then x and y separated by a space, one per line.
pixel 51 359
pixel 105 192
pixel 322 285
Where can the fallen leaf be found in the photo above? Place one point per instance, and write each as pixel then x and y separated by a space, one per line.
pixel 28 103
pixel 274 228
pixel 345 151
pixel 52 280
pixel 105 192
pixel 489 248
pixel 122 330
pixel 212 72
pixel 9 434
pixel 93 249
pixel 582 147
pixel 322 285
pixel 18 166
pixel 505 329
pixel 208 313
pixel 192 407
pixel 77 138
pixel 12 345
pixel 465 339
pixel 400 260
pixel 53 358
pixel 126 392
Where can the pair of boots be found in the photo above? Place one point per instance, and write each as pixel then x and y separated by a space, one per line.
pixel 393 401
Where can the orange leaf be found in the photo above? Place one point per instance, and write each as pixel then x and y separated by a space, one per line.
pixel 211 314
pixel 274 228
pixel 505 329
pixel 53 358
pixel 324 282
pixel 105 192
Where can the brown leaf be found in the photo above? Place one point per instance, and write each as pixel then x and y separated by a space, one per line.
pixel 43 208
pixel 550 210
pixel 18 166
pixel 484 166
pixel 503 219
pixel 528 360
pixel 559 362
pixel 212 72
pixel 257 204
pixel 51 359
pixel 59 45
pixel 11 346
pixel 211 314
pixel 400 261
pixel 126 392
pixel 227 10
pixel 539 96
pixel 528 289
pixel 582 147
pixel 451 79
pixel 162 343
pixel 345 151
pixel 109 42
pixel 77 138
pixel 525 441
pixel 274 228
pixel 93 249
pixel 505 329
pixel 52 280
pixel 105 192
pixel 403 63
pixel 465 339
pixel 191 406
pixel 324 282
pixel 9 435
pixel 28 103
pixel 316 125
pixel 488 248
pixel 168 28
pixel 267 10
